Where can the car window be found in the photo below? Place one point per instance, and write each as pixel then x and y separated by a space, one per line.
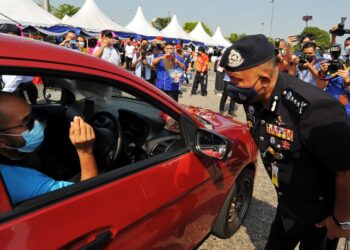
pixel 128 127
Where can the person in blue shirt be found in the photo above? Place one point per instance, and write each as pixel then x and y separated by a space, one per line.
pixel 21 133
pixel 338 85
pixel 170 70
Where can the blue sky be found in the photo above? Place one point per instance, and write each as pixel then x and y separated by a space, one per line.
pixel 233 16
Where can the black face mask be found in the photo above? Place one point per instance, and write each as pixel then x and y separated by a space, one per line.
pixel 242 95
pixel 309 58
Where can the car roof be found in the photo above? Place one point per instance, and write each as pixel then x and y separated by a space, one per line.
pixel 15 47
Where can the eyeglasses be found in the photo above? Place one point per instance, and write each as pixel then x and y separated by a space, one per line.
pixel 28 122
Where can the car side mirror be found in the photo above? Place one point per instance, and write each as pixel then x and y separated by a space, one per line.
pixel 52 94
pixel 213 145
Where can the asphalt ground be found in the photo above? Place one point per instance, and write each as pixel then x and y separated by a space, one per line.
pixel 256 226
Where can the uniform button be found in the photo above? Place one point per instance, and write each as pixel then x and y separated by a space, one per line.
pixel 275 98
pixel 261 138
pixel 262 122
pixel 320 198
pixel 284 92
pixel 278 146
pixel 279 193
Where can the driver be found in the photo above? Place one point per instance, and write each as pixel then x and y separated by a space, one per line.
pixel 20 134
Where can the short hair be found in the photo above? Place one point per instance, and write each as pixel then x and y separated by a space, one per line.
pixel 107 33
pixel 309 45
pixel 71 31
pixel 169 44
pixel 201 49
pixel 347 39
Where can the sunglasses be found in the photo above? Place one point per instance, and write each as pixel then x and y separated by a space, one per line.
pixel 28 122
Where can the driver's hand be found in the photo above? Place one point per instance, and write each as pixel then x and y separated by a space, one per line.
pixel 81 135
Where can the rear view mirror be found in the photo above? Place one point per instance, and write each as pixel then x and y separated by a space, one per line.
pixel 52 94
pixel 212 145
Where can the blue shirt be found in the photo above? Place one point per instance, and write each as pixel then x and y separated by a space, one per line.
pixel 306 75
pixel 25 183
pixel 336 88
pixel 164 81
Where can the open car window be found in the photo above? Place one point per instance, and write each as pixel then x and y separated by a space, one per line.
pixel 130 129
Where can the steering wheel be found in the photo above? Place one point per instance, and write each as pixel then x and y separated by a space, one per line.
pixel 108 137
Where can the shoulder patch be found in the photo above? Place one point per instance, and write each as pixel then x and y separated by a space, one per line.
pixel 294 102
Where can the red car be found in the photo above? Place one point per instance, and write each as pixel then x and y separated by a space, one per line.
pixel 168 174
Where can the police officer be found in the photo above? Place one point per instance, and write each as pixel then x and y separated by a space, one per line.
pixel 304 138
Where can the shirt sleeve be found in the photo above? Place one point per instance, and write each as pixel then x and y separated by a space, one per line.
pixel 12 82
pixel 25 183
pixel 325 131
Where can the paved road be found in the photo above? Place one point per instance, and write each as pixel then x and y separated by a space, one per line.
pixel 254 231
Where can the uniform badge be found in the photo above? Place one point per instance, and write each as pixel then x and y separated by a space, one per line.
pixel 286 145
pixel 272 140
pixel 279 156
pixel 234 59
pixel 277 131
pixel 274 174
pixel 280 122
pixel 251 110
pixel 294 102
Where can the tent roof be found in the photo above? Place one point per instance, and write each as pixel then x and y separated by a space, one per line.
pixel 65 18
pixel 174 30
pixel 141 26
pixel 26 12
pixel 200 35
pixel 91 18
pixel 220 39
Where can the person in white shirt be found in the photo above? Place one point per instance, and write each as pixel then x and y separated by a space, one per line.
pixel 129 53
pixel 106 51
pixel 142 61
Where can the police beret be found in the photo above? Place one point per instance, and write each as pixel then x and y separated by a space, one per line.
pixel 247 52
pixel 10 28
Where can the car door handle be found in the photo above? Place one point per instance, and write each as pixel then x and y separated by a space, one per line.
pixel 95 240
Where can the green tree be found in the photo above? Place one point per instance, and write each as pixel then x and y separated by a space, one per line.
pixel 189 26
pixel 51 8
pixel 322 37
pixel 65 9
pixel 160 22
pixel 234 37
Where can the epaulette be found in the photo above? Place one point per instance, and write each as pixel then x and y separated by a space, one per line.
pixel 294 102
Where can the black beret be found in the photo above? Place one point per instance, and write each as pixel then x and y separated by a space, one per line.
pixel 247 52
pixel 10 28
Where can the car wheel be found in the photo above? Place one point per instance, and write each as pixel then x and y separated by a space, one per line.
pixel 235 207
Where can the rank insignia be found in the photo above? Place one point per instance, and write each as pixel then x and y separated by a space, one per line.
pixel 277 131
pixel 294 102
pixel 251 110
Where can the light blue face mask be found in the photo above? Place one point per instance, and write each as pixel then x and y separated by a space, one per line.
pixel 347 49
pixel 32 138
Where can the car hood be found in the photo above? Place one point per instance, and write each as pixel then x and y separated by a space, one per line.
pixel 217 120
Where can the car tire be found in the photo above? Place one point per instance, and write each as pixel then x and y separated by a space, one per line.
pixel 235 207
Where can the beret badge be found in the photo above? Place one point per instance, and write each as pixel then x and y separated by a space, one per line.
pixel 235 59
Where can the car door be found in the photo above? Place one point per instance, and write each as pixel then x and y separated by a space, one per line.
pixel 168 201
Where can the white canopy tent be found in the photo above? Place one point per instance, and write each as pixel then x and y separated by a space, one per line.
pixel 199 34
pixel 25 12
pixel 91 18
pixel 65 18
pixel 141 26
pixel 220 39
pixel 174 30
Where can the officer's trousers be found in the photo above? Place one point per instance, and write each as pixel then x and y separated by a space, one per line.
pixel 203 80
pixel 311 238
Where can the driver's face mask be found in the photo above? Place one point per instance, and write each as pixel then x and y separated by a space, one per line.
pixel 32 138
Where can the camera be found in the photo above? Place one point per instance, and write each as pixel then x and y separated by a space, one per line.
pixel 335 64
pixel 340 31
pixel 277 45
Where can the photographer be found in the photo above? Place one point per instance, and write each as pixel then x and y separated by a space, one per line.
pixel 106 51
pixel 336 83
pixel 306 66
pixel 169 68
pixel 142 61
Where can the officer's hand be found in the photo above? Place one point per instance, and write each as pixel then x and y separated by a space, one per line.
pixel 333 231
pixel 81 135
pixel 344 73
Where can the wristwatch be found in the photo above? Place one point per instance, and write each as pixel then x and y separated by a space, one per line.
pixel 345 225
